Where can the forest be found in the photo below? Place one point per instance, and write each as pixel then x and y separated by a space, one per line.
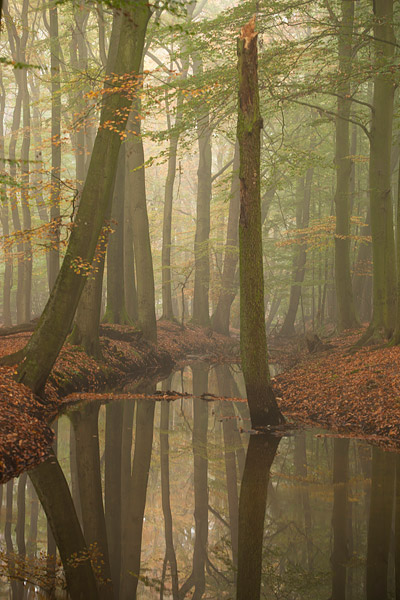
pixel 200 299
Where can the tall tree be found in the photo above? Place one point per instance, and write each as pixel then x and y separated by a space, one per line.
pixel 384 265
pixel 253 343
pixel 201 314
pixel 344 292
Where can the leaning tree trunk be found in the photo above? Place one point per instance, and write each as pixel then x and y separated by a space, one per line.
pixel 55 322
pixel 344 292
pixel 4 217
pixel 253 344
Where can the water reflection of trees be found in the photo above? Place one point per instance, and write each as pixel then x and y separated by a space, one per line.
pixel 164 499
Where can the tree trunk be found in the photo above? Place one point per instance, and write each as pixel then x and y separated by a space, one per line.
pixel 346 313
pixel 55 187
pixel 136 189
pixel 221 317
pixel 384 271
pixel 168 312
pixel 253 345
pixel 55 322
pixel 300 258
pixel 115 311
pixel 201 314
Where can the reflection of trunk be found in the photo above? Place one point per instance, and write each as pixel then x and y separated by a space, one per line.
pixel 21 510
pixel 136 189
pixel 340 517
pixel 165 492
pixel 200 460
pixel 397 529
pixel 253 344
pixel 52 490
pixel 116 312
pixel 31 544
pixel 300 458
pixel 252 504
pixel 231 440
pixel 126 451
pixel 85 421
pixel 74 472
pixel 300 257
pixel 138 490
pixel 380 519
pixel 201 314
pixel 112 488
pixel 220 318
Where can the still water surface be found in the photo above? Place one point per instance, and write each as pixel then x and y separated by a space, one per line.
pixel 185 497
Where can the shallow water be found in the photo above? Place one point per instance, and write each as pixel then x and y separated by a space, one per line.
pixel 171 474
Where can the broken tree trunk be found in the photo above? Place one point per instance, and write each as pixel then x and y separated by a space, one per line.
pixel 253 343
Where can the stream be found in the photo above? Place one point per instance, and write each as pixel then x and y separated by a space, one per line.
pixel 156 486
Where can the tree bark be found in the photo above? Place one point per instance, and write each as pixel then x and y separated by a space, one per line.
pixel 253 344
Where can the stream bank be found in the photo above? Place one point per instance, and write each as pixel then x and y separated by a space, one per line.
pixel 24 418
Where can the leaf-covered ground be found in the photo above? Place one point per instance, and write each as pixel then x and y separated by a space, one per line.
pixel 352 393
pixel 25 434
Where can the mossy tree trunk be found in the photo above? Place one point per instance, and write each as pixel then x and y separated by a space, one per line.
pixel 55 322
pixel 253 344
pixel 346 317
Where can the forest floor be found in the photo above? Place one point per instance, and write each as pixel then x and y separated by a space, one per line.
pixel 24 418
pixel 350 393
